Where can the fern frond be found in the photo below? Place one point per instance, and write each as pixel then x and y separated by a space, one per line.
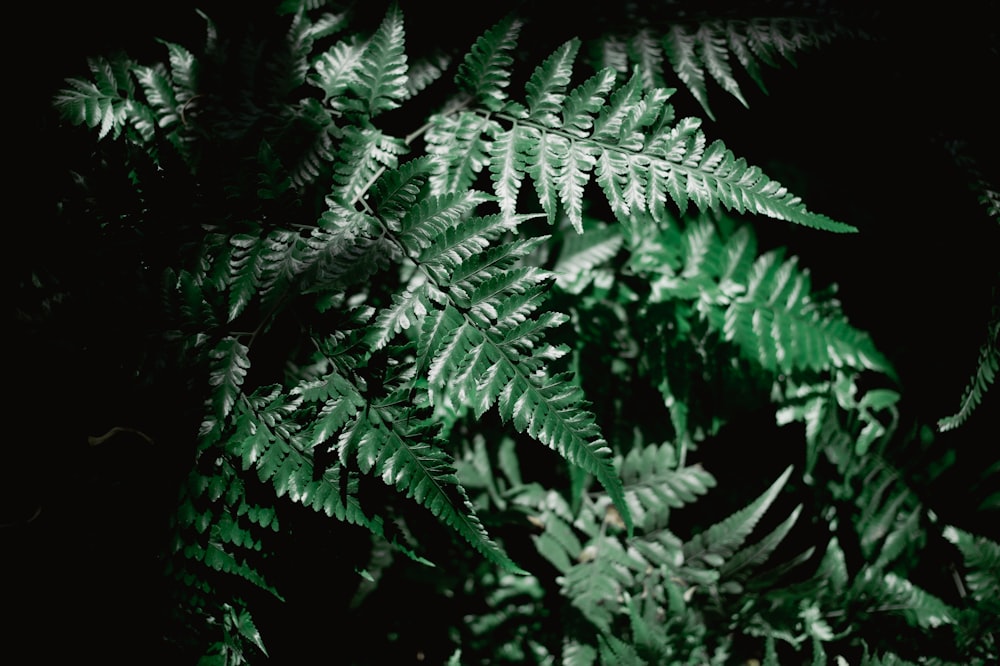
pixel 697 53
pixel 407 310
pixel 603 572
pixel 680 49
pixel 485 70
pixel 317 151
pixel 458 146
pixel 550 411
pixel 982 565
pixel 583 103
pixel 637 156
pixel 380 80
pixel 898 595
pixel 614 650
pixel 582 252
pixel 458 244
pixel 776 324
pixel 743 561
pixel 397 190
pixel 303 32
pixel 559 544
pixel 107 101
pixel 426 221
pixel 986 372
pixel 718 543
pixel 422 73
pixel 478 368
pixel 337 70
pixel 230 361
pixel 654 483
pixel 546 88
pixel 184 74
pixel 406 460
pixel 508 159
pixel 363 154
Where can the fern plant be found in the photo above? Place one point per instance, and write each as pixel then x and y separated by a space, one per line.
pixel 483 314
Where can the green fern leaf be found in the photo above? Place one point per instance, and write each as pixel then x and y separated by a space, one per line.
pixel 302 35
pixel 550 411
pixel 380 80
pixel 680 47
pixel 579 161
pixel 645 52
pixel 716 56
pixel 581 253
pixel 986 372
pixel 397 190
pixel 716 177
pixel 459 149
pixel 485 70
pixel 546 164
pixel 459 243
pixel 614 650
pixel 604 570
pixel 622 105
pixel 156 83
pixel 313 159
pixel 337 70
pixel 545 89
pixel 425 222
pixel 348 247
pixel 492 296
pixel 102 102
pixel 340 406
pixel 778 326
pixel 363 153
pixel 558 544
pixel 719 542
pixel 424 473
pixel 744 561
pixel 578 654
pixel 509 155
pixel 654 484
pixel 184 72
pixel 246 267
pixel 900 595
pixel 407 309
pixel 584 102
pixel 982 564
pixel 230 361
pixel 474 369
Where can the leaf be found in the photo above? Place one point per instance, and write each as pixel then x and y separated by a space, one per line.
pixel 425 474
pixel 380 79
pixel 545 89
pixel 230 362
pixel 719 542
pixel 986 372
pixel 484 71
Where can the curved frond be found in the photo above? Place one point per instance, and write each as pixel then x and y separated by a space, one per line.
pixel 230 362
pixel 406 460
pixel 485 70
pixel 982 564
pixel 380 80
pixel 546 88
pixel 719 543
pixel 654 483
pixel 986 372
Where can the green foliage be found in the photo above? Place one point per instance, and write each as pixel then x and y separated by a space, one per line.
pixel 517 389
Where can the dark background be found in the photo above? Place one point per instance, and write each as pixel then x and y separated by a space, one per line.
pixel 858 129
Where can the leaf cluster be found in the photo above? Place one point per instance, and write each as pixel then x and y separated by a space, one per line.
pixel 486 315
